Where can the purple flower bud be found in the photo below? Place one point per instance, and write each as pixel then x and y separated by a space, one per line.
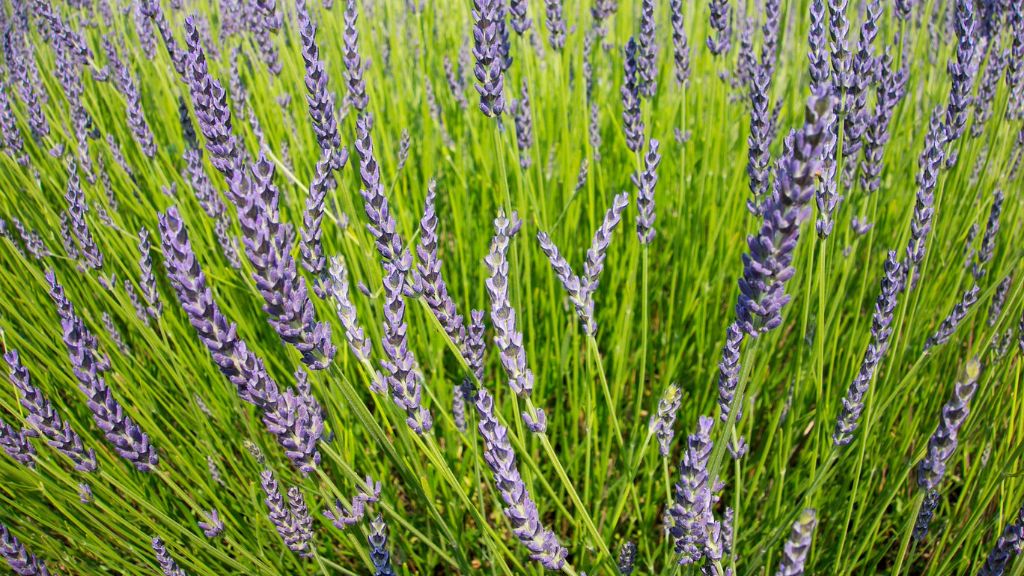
pixel 44 419
pixel 645 182
pixel 950 323
pixel 987 89
pixel 520 508
pixel 115 334
pixel 85 494
pixel 760 139
pixel 163 558
pixel 378 540
pixel 594 130
pixel 18 558
pixel 455 82
pixel 627 558
pixel 632 122
pixel 796 548
pixel 302 539
pixel 555 23
pixel 885 306
pixel 927 177
pixel 358 343
pixel 962 73
pixel 729 372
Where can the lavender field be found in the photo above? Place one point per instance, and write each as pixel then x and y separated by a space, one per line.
pixel 404 287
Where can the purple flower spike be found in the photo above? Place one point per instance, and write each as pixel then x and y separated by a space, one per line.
pixel 646 62
pixel 18 558
pixel 135 116
pixel 962 71
pixel 323 182
pixel 400 369
pixel 885 306
pixel 163 558
pixel 16 444
pixel 721 25
pixel 358 343
pixel 212 526
pixel 382 225
pixel 689 516
pixel 520 508
pixel 1007 546
pixel 632 122
pixel 761 135
pixel 434 288
pixel 794 552
pixel 996 308
pixel 663 421
pixel 353 62
pixel 817 45
pixel 318 95
pixel 988 241
pixel 627 558
pixel 76 213
pixel 955 317
pixel 378 540
pixel 343 517
pixel 520 19
pixel 148 281
pixel 44 419
pixel 943 443
pixel 127 438
pixel 488 16
pixel 768 265
pixel 680 43
pixel 555 22
pixel 645 182
pixel 729 372
pixel 295 416
pixel 520 109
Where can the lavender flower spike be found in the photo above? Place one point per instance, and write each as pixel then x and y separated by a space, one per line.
pixel 1007 546
pixel 318 95
pixel 885 306
pixel 520 109
pixel 647 64
pixel 148 281
pixel 988 241
pixel 342 517
pixel 944 441
pixel 632 122
pixel 487 16
pixel 76 212
pixel 962 72
pixel 353 62
pixel 280 516
pixel 663 421
pixel 163 558
pixel 520 20
pixel 16 444
pixel 400 370
pixel 995 309
pixel 794 552
pixel 44 419
pixel 680 43
pixel 303 522
pixel 949 325
pixel 130 442
pixel 18 558
pixel 645 182
pixel 722 27
pixel 729 372
pixel 212 526
pixel 594 263
pixel 927 177
pixel 434 288
pixel 520 508
pixel 555 22
pixel 689 515
pixel 768 266
pixel 627 558
pixel 358 343
pixel 310 245
pixel 507 338
pixel 378 540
